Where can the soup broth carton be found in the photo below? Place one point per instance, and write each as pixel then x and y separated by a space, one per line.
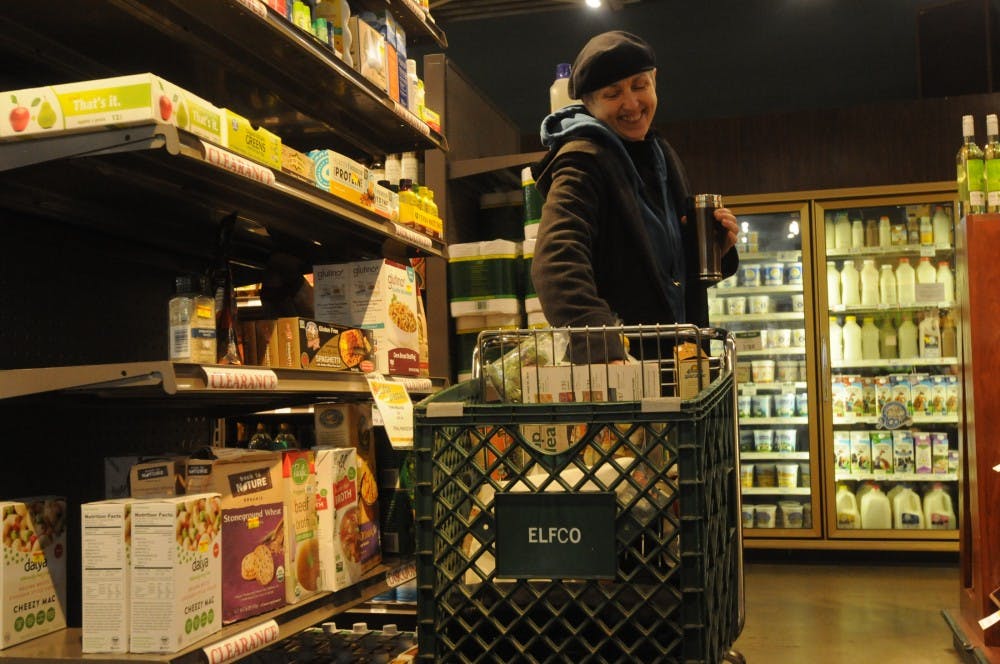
pixel 33 576
pixel 176 583
pixel 337 512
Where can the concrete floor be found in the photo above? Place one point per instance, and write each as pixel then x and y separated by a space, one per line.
pixel 850 613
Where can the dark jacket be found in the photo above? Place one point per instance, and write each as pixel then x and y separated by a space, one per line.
pixel 593 262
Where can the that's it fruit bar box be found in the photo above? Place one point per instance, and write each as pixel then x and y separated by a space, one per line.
pixel 108 102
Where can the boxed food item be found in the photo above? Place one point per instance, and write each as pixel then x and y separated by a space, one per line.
pixel 385 202
pixel 157 478
pixel 369 53
pixel 901 391
pixel 343 424
pixel 861 453
pixel 881 452
pixel 256 143
pixel 176 570
pixel 298 164
pixel 902 451
pixel 298 481
pixel 303 343
pixel 379 296
pixel 33 576
pixel 198 475
pixel 842 451
pixel 589 382
pixel 923 452
pixel 921 390
pixel 121 100
pixel 253 513
pixel 106 556
pixel 116 473
pixel 692 371
pixel 344 178
pixel 939 453
pixel 337 513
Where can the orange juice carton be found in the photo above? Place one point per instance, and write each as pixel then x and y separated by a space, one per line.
pixel 902 451
pixel 337 517
pixel 692 371
pixel 33 576
pixel 176 572
pixel 939 453
pixel 106 555
pixel 923 452
pixel 379 296
pixel 255 143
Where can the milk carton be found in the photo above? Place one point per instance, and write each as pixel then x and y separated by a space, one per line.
pixel 938 395
pixel 881 452
pixel 842 451
pixel 176 565
pixel 861 453
pixel 854 402
pixel 106 556
pixel 33 576
pixel 923 452
pixel 921 389
pixel 337 514
pixel 839 396
pixel 883 392
pixel 951 395
pixel 902 451
pixel 939 453
pixel 298 481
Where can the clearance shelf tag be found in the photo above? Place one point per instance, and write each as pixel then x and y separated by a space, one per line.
pixel 234 163
pixel 234 378
pixel 244 643
pixel 989 621
pixel 394 405
pixel 256 6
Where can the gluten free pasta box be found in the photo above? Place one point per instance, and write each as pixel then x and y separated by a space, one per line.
pixel 303 343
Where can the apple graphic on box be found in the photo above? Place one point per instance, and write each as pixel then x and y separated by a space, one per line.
pixel 166 107
pixel 19 116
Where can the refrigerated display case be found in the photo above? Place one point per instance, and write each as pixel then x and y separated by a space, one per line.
pixel 767 306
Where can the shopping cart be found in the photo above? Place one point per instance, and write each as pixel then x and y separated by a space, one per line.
pixel 582 512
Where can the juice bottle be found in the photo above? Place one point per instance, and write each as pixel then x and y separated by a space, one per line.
pixel 949 337
pixel 869 339
pixel 850 293
pixel 842 231
pixel 942 226
pixel 926 231
pixel 832 284
pixel 857 234
pixel 191 323
pixel 906 336
pixel 887 285
pixel 887 345
pixel 829 231
pixel 852 339
pixel 926 274
pixel 929 336
pixel 836 340
pixel 847 508
pixel 871 233
pixel 945 277
pixel 906 280
pixel 869 283
pixel 884 231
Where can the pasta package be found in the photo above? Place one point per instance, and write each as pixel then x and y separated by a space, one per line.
pixel 379 296
pixel 303 343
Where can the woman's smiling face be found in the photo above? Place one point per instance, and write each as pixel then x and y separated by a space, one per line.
pixel 627 106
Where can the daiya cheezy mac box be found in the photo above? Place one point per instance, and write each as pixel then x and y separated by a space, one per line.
pixel 106 558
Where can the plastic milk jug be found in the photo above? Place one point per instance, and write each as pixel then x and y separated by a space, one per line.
pixel 832 284
pixel 842 231
pixel 926 274
pixel 906 279
pixel 945 277
pixel 869 339
pixel 836 340
pixel 850 293
pixel 942 227
pixel 847 508
pixel 888 348
pixel 876 513
pixel 869 283
pixel 906 336
pixel 852 339
pixel 938 511
pixel 887 285
pixel 906 511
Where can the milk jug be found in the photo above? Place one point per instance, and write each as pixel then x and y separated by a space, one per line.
pixel 857 234
pixel 850 293
pixel 887 285
pixel 884 231
pixel 842 231
pixel 938 511
pixel 887 346
pixel 831 237
pixel 832 284
pixel 869 340
pixel 852 339
pixel 869 283
pixel 876 513
pixel 847 509
pixel 836 341
pixel 942 227
pixel 906 511
pixel 926 274
pixel 906 292
pixel 945 277
pixel 929 333
pixel 906 336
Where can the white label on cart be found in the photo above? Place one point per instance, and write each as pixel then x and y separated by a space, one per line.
pixel 242 644
pixel 229 378
pixel 989 621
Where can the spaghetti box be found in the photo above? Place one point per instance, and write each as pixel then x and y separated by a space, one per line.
pixel 33 576
pixel 255 143
pixel 106 102
pixel 176 570
pixel 303 343
pixel 379 296
pixel 106 554
pixel 298 484
pixel 337 517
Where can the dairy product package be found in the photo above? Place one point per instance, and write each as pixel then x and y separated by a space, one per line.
pixel 923 452
pixel 902 451
pixel 881 452
pixel 861 453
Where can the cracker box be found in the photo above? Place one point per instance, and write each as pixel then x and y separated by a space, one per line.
pixel 176 569
pixel 303 343
pixel 379 296
pixel 106 554
pixel 902 451
pixel 253 509
pixel 157 478
pixel 33 577
pixel 298 480
pixel 255 143
pixel 122 100
pixel 337 517
pixel 344 178
pixel 298 164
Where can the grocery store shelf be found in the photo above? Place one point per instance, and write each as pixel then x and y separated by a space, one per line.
pixel 774 456
pixel 418 24
pixel 188 383
pixel 898 477
pixel 896 364
pixel 915 419
pixel 770 352
pixel 882 309
pixel 759 318
pixel 756 290
pixel 752 388
pixel 771 256
pixel 773 421
pixel 65 645
pixel 763 538
pixel 776 491
pixel 897 250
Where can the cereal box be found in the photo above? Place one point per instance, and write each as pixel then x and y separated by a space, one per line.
pixel 106 553
pixel 298 481
pixel 337 514
pixel 881 452
pixel 861 453
pixel 33 578
pixel 902 451
pixel 380 296
pixel 176 583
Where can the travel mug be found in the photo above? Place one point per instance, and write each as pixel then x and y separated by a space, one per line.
pixel 707 232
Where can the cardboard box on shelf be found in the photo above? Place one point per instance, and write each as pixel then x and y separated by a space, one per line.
pixel 256 143
pixel 157 478
pixel 33 572
pixel 368 52
pixel 176 572
pixel 298 164
pixel 692 370
pixel 298 481
pixel 303 343
pixel 337 517
pixel 106 558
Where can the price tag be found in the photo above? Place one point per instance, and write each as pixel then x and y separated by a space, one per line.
pixel 413 237
pixel 788 256
pixel 241 644
pixel 400 575
pixel 930 252
pixel 749 389
pixel 838 308
pixel 788 388
pixel 393 403
pixel 239 378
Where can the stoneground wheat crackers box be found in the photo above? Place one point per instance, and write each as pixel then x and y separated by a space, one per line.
pixel 33 576
pixel 106 554
pixel 337 512
pixel 176 583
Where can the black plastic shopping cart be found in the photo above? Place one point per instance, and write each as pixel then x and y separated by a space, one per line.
pixel 577 512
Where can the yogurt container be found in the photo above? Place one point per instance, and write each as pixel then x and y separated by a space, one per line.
pixel 749 515
pixel 763 440
pixel 765 514
pixel 746 440
pixel 801 404
pixel 736 306
pixel 784 440
pixel 798 302
pixel 774 274
pixel 761 405
pixel 716 306
pixel 788 372
pixel 779 338
pixel 791 513
pixel 788 475
pixel 799 337
pixel 793 274
pixel 759 304
pixel 763 371
pixel 784 405
pixel 749 274
pixel 746 475
pixel 766 475
pixel 743 405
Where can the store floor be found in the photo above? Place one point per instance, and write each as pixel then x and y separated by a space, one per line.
pixel 855 613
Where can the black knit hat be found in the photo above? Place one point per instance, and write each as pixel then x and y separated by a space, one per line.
pixel 609 57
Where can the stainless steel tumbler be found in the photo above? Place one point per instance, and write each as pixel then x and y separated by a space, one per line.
pixel 707 233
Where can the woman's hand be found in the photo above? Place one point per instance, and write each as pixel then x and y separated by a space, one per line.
pixel 728 222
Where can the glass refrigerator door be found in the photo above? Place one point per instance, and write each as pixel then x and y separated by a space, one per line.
pixel 765 306
pixel 890 367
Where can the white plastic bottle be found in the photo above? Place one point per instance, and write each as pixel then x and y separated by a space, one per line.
pixel 887 285
pixel 850 293
pixel 836 340
pixel 939 514
pixel 884 231
pixel 869 339
pixel 832 284
pixel 876 512
pixel 929 337
pixel 926 274
pixel 848 516
pixel 947 279
pixel 842 231
pixel 830 232
pixel 942 227
pixel 559 90
pixel 857 234
pixel 869 283
pixel 906 279
pixel 906 509
pixel 906 336
pixel 411 85
pixel 888 347
pixel 852 339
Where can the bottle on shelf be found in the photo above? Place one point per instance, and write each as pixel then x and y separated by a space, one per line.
pixel 929 336
pixel 830 232
pixel 559 90
pixel 852 339
pixel 832 284
pixel 412 82
pixel 991 157
pixel 227 335
pixel 393 167
pixel 906 509
pixel 848 516
pixel 888 348
pixel 926 231
pixel 869 339
pixel 850 293
pixel 871 233
pixel 192 322
pixel 906 280
pixel 970 169
pixel 876 512
pixel 285 439
pixel 887 285
pixel 947 279
pixel 939 514
pixel 842 230
pixel 949 336
pixel 261 439
pixel 941 221
pixel 926 274
pixel 857 234
pixel 912 230
pixel 869 283
pixel 836 340
pixel 906 337
pixel 884 231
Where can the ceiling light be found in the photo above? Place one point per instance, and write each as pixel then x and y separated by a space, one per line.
pixel 594 4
